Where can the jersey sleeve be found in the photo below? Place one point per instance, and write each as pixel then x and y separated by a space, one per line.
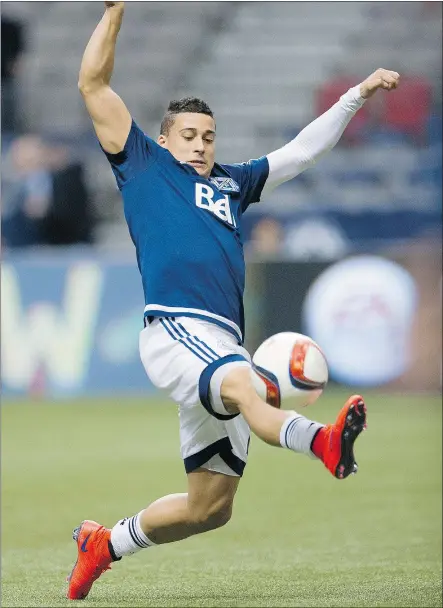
pixel 139 151
pixel 253 176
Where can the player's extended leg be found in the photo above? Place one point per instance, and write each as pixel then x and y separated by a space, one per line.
pixel 332 443
pixel 206 506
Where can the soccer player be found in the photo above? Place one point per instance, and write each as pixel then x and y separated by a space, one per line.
pixel 184 214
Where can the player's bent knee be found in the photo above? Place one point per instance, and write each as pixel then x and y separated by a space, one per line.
pixel 211 381
pixel 211 520
pixel 237 389
pixel 211 516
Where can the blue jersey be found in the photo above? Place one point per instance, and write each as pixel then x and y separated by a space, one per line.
pixel 187 230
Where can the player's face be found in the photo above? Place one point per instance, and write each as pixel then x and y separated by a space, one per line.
pixel 191 139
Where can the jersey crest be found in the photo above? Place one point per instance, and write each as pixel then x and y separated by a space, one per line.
pixel 225 184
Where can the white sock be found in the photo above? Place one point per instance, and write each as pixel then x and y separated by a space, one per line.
pixel 127 537
pixel 297 434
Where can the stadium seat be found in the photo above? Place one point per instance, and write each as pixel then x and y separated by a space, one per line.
pixel 385 136
pixel 434 128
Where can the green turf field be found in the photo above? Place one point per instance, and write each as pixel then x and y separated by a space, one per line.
pixel 298 536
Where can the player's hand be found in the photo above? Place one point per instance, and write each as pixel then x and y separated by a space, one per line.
pixel 120 5
pixel 380 79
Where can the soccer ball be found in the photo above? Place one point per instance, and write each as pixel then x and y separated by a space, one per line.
pixel 289 366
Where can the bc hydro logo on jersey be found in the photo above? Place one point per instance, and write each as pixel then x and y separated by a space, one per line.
pixel 204 198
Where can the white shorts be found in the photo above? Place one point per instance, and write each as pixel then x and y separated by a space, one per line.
pixel 189 358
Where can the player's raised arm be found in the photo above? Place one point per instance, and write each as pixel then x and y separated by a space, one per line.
pixel 322 134
pixel 111 118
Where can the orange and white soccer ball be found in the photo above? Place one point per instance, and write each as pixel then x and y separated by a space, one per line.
pixel 289 366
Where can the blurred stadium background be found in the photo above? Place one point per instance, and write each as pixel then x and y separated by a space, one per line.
pixel 349 253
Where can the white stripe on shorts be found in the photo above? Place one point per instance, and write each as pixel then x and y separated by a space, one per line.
pixel 179 336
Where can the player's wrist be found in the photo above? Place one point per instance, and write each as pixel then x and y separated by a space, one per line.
pixel 364 90
pixel 115 9
pixel 114 5
pixel 352 100
pixel 357 94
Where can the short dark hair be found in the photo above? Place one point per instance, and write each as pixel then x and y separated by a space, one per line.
pixel 186 104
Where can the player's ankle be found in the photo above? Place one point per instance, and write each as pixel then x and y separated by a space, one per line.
pixel 112 552
pixel 297 433
pixel 318 442
pixel 128 538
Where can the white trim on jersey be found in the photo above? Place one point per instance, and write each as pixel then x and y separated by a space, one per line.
pixel 204 314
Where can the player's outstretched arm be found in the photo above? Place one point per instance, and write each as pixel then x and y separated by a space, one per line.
pixel 321 135
pixel 111 118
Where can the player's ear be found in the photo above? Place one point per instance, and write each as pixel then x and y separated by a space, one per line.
pixel 161 140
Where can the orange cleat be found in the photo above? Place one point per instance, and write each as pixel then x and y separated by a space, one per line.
pixel 93 558
pixel 337 451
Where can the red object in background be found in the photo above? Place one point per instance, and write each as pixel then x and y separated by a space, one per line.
pixel 407 109
pixel 330 92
